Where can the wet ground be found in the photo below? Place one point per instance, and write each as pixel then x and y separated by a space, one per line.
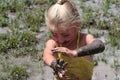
pixel 108 67
pixel 102 71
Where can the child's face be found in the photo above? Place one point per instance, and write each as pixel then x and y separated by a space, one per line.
pixel 65 37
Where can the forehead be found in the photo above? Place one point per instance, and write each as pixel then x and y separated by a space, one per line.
pixel 63 26
pixel 64 31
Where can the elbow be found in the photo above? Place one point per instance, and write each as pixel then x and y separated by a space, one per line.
pixel 101 46
pixel 44 58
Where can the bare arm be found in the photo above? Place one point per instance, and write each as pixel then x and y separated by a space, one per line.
pixel 57 65
pixel 48 57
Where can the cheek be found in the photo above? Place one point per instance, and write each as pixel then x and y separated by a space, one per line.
pixel 70 38
pixel 55 38
pixel 73 35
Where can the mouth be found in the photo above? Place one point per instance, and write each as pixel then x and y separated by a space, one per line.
pixel 65 43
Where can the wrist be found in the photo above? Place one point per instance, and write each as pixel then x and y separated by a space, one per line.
pixel 53 64
pixel 79 52
pixel 75 53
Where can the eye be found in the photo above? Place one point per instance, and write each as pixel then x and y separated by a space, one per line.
pixel 53 34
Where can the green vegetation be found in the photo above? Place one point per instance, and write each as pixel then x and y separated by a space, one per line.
pixel 18 73
pixel 23 19
pixel 101 19
pixel 15 73
pixel 23 22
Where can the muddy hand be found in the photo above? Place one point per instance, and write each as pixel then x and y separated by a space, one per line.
pixel 59 67
pixel 64 51
pixel 60 49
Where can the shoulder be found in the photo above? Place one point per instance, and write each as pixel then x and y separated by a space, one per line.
pixel 88 38
pixel 51 43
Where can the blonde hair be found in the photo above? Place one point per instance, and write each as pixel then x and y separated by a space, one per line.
pixel 63 12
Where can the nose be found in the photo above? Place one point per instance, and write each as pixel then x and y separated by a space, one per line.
pixel 61 39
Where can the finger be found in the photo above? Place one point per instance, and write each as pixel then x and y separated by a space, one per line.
pixel 58 67
pixel 58 61
pixel 58 49
pixel 53 50
pixel 61 61
pixel 61 73
pixel 64 65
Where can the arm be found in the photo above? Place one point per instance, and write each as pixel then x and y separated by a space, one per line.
pixel 51 60
pixel 93 46
pixel 48 57
pixel 96 46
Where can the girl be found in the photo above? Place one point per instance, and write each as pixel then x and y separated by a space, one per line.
pixel 68 44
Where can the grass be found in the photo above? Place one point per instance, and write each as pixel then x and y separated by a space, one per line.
pixel 11 71
pixel 15 73
pixel 102 19
pixel 3 20
pixel 18 73
pixel 107 4
pixel 20 39
pixel 31 18
pixel 87 17
pixel 114 37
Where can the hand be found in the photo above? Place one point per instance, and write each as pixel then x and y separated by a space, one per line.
pixel 65 51
pixel 59 67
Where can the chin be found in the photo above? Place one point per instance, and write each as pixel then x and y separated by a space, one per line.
pixel 66 44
